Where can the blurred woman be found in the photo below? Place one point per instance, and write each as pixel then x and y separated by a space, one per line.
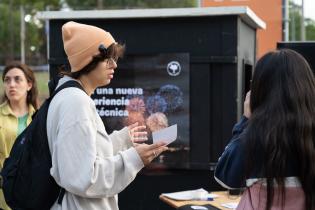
pixel 272 150
pixel 19 103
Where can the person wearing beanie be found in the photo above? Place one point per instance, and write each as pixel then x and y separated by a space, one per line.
pixel 91 165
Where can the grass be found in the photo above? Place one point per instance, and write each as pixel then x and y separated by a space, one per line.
pixel 42 78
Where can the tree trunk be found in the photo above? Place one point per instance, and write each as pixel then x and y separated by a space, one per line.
pixel 10 55
pixel 99 4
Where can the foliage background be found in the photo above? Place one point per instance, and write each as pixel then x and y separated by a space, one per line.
pixel 35 40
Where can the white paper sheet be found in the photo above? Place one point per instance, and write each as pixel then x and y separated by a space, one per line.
pixel 230 205
pixel 199 194
pixel 199 207
pixel 167 135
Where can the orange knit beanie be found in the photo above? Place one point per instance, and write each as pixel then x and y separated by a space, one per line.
pixel 81 42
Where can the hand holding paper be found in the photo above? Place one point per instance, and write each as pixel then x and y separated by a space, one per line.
pixel 166 135
pixel 148 152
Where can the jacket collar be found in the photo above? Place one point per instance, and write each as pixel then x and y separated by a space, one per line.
pixel 6 109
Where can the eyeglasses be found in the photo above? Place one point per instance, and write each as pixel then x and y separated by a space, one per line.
pixel 110 62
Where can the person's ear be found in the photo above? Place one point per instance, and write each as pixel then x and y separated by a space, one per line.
pixel 29 86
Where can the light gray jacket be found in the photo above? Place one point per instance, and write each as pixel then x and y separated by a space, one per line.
pixel 91 165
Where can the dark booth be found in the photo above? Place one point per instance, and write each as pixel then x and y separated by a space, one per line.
pixel 190 67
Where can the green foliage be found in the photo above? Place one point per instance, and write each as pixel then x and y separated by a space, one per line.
pixel 9 19
pixel 295 24
pixel 310 29
pixel 10 23
pixel 35 35
pixel 123 4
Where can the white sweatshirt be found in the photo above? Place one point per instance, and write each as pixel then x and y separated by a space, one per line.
pixel 91 165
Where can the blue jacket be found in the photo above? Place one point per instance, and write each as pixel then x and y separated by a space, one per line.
pixel 230 170
pixel 230 167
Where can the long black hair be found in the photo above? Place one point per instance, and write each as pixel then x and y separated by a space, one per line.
pixel 282 123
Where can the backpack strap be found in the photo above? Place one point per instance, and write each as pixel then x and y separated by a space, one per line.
pixel 52 84
pixel 70 83
pixel 61 194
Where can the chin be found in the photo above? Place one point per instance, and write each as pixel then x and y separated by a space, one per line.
pixel 15 99
pixel 106 82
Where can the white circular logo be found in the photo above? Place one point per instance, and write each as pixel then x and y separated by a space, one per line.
pixel 173 68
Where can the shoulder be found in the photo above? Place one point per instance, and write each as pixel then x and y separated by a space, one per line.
pixel 69 107
pixel 4 106
pixel 5 109
pixel 73 96
pixel 8 121
pixel 31 109
pixel 72 103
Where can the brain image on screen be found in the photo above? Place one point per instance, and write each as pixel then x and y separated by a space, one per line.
pixel 136 109
pixel 136 104
pixel 134 117
pixel 157 121
pixel 156 103
pixel 173 97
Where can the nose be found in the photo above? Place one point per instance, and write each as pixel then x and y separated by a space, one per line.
pixel 111 63
pixel 10 83
pixel 114 64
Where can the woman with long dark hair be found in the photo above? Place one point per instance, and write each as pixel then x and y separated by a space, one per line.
pixel 19 103
pixel 272 151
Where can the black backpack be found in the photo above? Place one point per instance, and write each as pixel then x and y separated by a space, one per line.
pixel 27 183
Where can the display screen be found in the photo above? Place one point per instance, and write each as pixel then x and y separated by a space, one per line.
pixel 152 90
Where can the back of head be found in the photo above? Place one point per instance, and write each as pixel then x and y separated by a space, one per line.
pixel 282 81
pixel 283 120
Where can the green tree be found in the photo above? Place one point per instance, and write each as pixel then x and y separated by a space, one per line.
pixel 310 29
pixel 123 4
pixel 8 19
pixel 295 24
pixel 10 22
pixel 35 43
